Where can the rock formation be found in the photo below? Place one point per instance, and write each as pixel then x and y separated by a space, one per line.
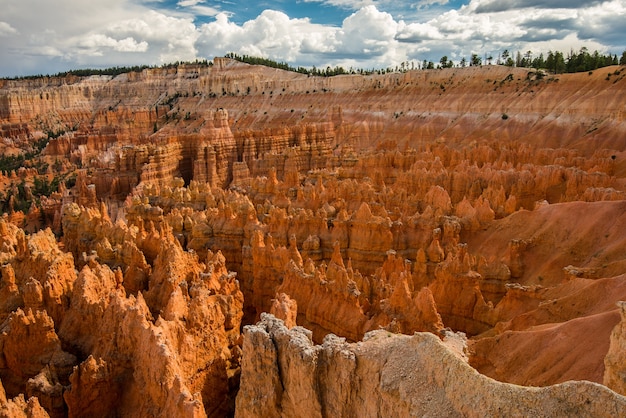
pixel 153 214
pixel 173 351
pixel 615 371
pixel 417 375
pixel 20 408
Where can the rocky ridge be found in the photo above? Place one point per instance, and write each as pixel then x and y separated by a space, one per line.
pixel 416 376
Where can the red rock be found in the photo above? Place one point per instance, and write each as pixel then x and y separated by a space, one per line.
pixel 614 360
pixel 203 194
pixel 285 308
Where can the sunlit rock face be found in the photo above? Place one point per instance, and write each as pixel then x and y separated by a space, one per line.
pixel 417 375
pixel 418 233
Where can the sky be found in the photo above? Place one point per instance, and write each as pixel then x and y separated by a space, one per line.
pixel 49 36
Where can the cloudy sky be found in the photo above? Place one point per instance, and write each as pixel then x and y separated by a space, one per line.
pixel 48 36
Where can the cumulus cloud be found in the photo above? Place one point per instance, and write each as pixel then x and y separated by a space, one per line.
pixel 371 37
pixel 374 33
pixel 188 3
pixel 366 35
pixel 171 38
pixel 272 33
pixel 417 32
pixel 367 32
pixel 603 23
pixel 95 44
pixel 118 33
pixel 52 34
pixel 489 27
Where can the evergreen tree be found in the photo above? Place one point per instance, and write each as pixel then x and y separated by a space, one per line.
pixel 507 59
pixel 539 62
pixel 445 63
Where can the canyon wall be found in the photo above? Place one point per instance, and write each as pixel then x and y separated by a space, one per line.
pixel 478 211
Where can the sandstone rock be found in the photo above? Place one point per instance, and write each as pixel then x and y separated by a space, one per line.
pixel 369 210
pixel 614 360
pixel 203 306
pixel 417 375
pixel 48 389
pixel 29 343
pixel 157 386
pixel 567 352
pixel 285 309
pixel 91 391
pixel 19 407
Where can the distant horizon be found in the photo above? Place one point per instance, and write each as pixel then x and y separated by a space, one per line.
pixel 367 34
pixel 107 70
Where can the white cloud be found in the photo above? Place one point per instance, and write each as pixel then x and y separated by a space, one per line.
pixel 492 6
pixel 367 32
pixel 198 8
pixel 603 22
pixel 51 33
pixel 272 33
pixel 170 38
pixel 188 3
pixel 96 42
pixel 379 33
pixel 570 42
pixel 373 38
pixel 427 3
pixel 346 4
pixel 7 30
pixel 45 51
pixel 366 36
pixel 417 32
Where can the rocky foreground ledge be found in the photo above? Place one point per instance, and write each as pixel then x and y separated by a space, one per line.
pixel 285 374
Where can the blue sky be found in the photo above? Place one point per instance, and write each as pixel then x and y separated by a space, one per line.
pixel 318 11
pixel 45 36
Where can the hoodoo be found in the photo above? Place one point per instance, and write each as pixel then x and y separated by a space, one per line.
pixel 230 239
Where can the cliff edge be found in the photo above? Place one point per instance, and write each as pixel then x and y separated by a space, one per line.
pixel 390 375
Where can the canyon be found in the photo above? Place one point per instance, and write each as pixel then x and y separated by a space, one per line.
pixel 236 240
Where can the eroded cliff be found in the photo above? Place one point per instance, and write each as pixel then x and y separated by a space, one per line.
pixel 390 375
pixel 479 204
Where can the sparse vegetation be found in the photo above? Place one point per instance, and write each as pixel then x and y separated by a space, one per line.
pixel 114 71
pixel 328 72
pixel 21 196
pixel 475 60
pixel 13 162
pixel 555 62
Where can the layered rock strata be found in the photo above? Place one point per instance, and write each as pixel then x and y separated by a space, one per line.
pixel 191 200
